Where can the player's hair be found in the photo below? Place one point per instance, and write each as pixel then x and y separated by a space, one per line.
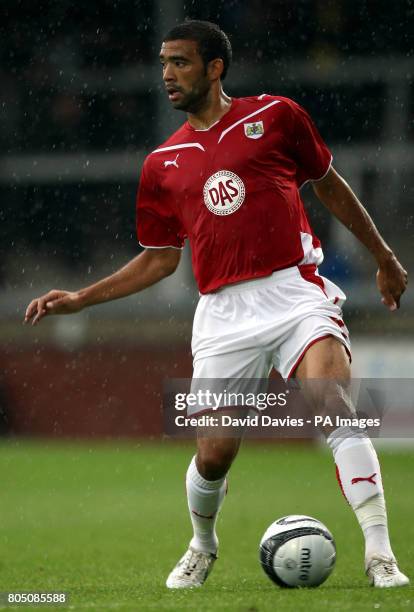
pixel 212 42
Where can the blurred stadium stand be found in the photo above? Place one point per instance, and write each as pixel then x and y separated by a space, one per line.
pixel 83 102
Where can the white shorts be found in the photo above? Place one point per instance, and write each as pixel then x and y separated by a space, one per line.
pixel 245 329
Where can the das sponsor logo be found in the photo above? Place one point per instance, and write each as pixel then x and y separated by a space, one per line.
pixel 224 192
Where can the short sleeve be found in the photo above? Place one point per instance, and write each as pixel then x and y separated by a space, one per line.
pixel 312 156
pixel 157 226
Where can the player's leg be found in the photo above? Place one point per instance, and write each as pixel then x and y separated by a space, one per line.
pixel 325 366
pixel 206 487
pixel 216 449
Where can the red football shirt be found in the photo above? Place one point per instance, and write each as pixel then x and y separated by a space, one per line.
pixel 233 191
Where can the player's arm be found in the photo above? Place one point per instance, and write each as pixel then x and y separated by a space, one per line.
pixel 334 192
pixel 149 267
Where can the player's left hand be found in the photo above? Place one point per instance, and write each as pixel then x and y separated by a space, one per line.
pixel 391 282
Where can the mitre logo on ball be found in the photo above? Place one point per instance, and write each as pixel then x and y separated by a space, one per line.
pixel 224 192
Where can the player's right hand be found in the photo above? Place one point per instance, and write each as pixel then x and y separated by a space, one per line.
pixel 53 302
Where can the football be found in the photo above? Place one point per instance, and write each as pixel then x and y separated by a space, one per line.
pixel 297 551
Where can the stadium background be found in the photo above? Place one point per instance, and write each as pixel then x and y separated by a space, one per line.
pixel 82 103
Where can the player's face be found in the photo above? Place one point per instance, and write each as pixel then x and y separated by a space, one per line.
pixel 184 75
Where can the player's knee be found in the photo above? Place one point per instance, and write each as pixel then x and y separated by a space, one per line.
pixel 215 458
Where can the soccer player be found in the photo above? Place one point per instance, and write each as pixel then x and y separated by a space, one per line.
pixel 229 180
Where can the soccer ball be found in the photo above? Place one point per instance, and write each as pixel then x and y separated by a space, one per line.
pixel 297 551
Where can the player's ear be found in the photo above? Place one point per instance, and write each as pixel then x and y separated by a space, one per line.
pixel 215 69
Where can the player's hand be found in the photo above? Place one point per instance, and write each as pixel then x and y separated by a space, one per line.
pixel 391 282
pixel 54 302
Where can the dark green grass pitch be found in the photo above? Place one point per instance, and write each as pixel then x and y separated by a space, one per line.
pixel 106 522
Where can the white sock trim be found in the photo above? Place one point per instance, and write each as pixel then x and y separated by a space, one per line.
pixel 345 437
pixel 194 475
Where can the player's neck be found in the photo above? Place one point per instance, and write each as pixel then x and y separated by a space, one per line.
pixel 215 108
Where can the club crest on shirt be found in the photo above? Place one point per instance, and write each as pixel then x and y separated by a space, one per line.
pixel 224 192
pixel 254 130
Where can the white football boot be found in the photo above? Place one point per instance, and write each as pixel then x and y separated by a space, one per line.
pixel 383 572
pixel 191 570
